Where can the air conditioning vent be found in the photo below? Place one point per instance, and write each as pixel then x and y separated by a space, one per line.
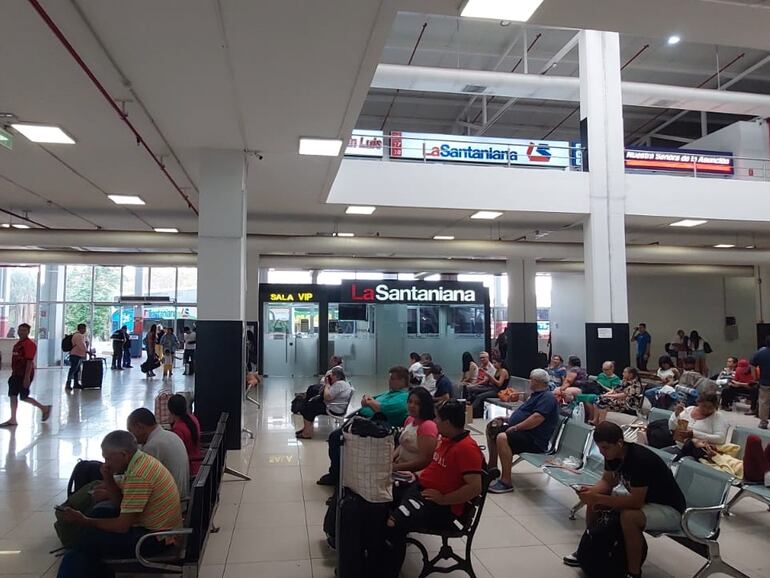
pixel 474 88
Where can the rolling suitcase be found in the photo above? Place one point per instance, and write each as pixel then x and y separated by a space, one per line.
pixel 92 373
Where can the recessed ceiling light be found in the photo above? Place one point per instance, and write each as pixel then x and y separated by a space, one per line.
pixel 42 133
pixel 359 210
pixel 513 10
pixel 126 199
pixel 6 225
pixel 20 226
pixel 688 223
pixel 325 147
pixel 674 39
pixel 486 215
pixel 166 230
pixel 345 234
pixel 444 237
pixel 723 246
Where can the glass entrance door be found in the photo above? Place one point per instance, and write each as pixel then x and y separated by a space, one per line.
pixel 291 339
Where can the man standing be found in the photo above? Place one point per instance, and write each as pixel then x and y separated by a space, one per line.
pixel 653 502
pixel 126 348
pixel 761 360
pixel 643 340
pixel 148 500
pixel 188 357
pixel 118 339
pixel 77 355
pixel 22 374
pixel 529 429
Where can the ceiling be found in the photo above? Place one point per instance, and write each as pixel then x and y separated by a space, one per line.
pixel 239 74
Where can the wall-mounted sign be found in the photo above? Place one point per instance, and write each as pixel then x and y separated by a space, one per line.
pixel 680 160
pixel 365 143
pixel 474 149
pixel 291 296
pixel 445 292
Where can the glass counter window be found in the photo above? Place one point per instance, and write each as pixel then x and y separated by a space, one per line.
pixel 422 320
pixel 465 320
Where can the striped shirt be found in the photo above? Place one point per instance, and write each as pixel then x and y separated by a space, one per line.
pixel 150 490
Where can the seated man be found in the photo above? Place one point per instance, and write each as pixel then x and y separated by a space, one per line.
pixel 741 382
pixel 654 501
pixel 439 494
pixel 333 396
pixel 443 390
pixel 529 429
pixel 576 382
pixel 163 445
pixel 392 403
pixel 148 500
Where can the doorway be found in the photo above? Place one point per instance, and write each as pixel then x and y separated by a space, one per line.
pixel 291 339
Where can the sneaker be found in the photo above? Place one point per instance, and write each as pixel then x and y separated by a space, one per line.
pixel 571 560
pixel 763 425
pixel 327 480
pixel 500 487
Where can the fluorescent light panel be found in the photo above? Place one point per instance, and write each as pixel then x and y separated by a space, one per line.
pixel 359 210
pixel 489 215
pixel 688 223
pixel 443 237
pixel 41 133
pixel 126 199
pixel 723 246
pixel 513 10
pixel 346 234
pixel 325 147
pixel 6 225
pixel 674 39
pixel 166 230
pixel 20 226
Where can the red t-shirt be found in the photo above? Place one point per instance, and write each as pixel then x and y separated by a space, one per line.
pixel 23 351
pixel 452 459
pixel 192 445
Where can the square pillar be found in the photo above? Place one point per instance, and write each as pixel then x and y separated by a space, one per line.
pixel 604 238
pixel 521 332
pixel 220 355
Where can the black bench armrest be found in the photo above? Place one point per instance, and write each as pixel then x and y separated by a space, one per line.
pixel 155 565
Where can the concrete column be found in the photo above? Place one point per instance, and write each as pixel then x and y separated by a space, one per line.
pixel 762 279
pixel 601 112
pixel 521 332
pixel 221 291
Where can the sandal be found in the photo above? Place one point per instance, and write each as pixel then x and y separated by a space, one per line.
pixel 47 412
pixel 8 423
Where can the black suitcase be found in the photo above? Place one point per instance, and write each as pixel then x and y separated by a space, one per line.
pixel 92 373
pixel 360 537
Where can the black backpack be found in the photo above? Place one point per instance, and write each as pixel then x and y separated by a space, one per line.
pixel 66 343
pixel 84 472
pixel 658 434
pixel 602 551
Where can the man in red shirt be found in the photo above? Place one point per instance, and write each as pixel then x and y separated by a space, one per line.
pixel 22 373
pixel 443 488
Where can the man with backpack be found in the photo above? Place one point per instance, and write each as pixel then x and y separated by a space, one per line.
pixel 78 352
pixel 653 502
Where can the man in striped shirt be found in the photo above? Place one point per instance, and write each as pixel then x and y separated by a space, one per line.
pixel 148 499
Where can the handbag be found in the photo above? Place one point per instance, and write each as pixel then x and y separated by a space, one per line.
pixel 508 395
pixel 367 459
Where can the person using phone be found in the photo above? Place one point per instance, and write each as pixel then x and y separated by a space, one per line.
pixel 643 345
pixel 653 502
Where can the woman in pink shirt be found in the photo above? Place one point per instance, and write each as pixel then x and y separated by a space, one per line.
pixel 186 426
pixel 419 438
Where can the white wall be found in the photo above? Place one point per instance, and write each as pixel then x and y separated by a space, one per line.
pixel 665 303
pixel 746 139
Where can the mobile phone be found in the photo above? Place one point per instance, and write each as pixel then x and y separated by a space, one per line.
pixel 577 487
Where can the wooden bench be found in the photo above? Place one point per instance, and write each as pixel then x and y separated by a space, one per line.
pixel 184 558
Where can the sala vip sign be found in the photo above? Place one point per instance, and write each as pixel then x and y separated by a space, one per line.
pixel 291 297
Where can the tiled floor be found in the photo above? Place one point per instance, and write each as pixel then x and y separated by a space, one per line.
pixel 271 526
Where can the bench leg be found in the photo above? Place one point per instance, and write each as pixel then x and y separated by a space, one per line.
pixel 446 553
pixel 248 432
pixel 237 474
pixel 575 509
pixel 716 565
pixel 190 571
pixel 737 498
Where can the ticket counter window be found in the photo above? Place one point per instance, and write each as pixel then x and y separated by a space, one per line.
pixel 351 336
pixel 466 320
pixel 422 320
pixel 291 339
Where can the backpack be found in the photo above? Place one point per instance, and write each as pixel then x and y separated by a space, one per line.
pixel 66 343
pixel 658 434
pixel 602 552
pixel 84 472
pixel 71 534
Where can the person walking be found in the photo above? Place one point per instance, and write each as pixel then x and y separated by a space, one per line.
pixel 118 339
pixel 150 340
pixel 127 349
pixel 169 344
pixel 78 354
pixel 188 356
pixel 761 360
pixel 22 374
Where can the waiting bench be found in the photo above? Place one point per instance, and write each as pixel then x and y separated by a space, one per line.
pixel 747 489
pixel 185 556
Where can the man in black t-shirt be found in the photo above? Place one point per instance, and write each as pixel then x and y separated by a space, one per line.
pixel 654 501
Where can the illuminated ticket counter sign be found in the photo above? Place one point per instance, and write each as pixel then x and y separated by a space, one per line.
pixel 446 292
pixel 680 160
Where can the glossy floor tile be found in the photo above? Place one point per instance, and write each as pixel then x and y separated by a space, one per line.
pixel 272 525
